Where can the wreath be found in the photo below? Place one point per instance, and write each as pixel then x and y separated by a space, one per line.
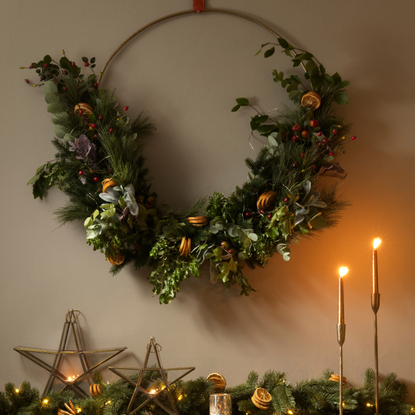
pixel 100 165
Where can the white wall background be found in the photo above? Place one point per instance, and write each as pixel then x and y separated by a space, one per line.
pixel 187 72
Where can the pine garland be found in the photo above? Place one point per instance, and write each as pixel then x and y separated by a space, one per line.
pixel 312 397
pixel 280 203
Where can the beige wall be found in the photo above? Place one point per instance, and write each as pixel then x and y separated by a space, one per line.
pixel 186 73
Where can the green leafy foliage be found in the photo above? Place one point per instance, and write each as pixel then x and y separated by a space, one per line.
pixel 311 397
pixel 97 144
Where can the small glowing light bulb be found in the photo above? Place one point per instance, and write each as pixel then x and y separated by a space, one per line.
pixel 290 411
pixel 45 401
pixel 16 390
pixel 108 403
pixel 153 391
pixel 180 397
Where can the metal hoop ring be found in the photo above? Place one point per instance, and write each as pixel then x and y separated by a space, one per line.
pixel 186 12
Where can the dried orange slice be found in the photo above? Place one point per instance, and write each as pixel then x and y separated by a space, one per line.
pixel 311 100
pixel 117 259
pixel 185 246
pixel 198 220
pixel 266 199
pixel 218 380
pixel 84 110
pixel 106 183
pixel 261 398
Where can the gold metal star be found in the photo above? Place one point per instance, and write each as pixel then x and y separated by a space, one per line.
pixel 71 324
pixel 152 395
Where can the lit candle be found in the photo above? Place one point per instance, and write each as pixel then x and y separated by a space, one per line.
pixel 375 284
pixel 343 271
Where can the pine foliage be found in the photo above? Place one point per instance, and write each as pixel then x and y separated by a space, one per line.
pixel 311 397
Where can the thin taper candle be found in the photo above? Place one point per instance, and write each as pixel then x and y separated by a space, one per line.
pixel 375 282
pixel 375 308
pixel 343 271
pixel 341 301
pixel 341 333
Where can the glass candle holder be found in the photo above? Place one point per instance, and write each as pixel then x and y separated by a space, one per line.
pixel 220 404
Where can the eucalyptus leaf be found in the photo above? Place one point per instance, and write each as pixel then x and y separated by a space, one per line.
pixel 253 237
pixel 54 108
pixel 61 131
pixel 49 87
pixel 272 141
pixel 233 231
pixel 241 256
pixel 52 99
pixel 91 234
pixel 282 248
pixel 219 226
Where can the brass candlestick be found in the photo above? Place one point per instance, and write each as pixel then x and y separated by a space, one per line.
pixel 341 335
pixel 375 308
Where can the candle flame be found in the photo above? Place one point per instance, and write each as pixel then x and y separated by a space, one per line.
pixel 376 243
pixel 343 271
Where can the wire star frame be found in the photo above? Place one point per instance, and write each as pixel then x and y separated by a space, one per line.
pixel 70 325
pixel 152 395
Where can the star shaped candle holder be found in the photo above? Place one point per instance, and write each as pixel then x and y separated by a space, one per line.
pixel 152 394
pixel 71 382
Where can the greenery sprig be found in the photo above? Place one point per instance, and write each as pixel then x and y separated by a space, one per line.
pixel 100 165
